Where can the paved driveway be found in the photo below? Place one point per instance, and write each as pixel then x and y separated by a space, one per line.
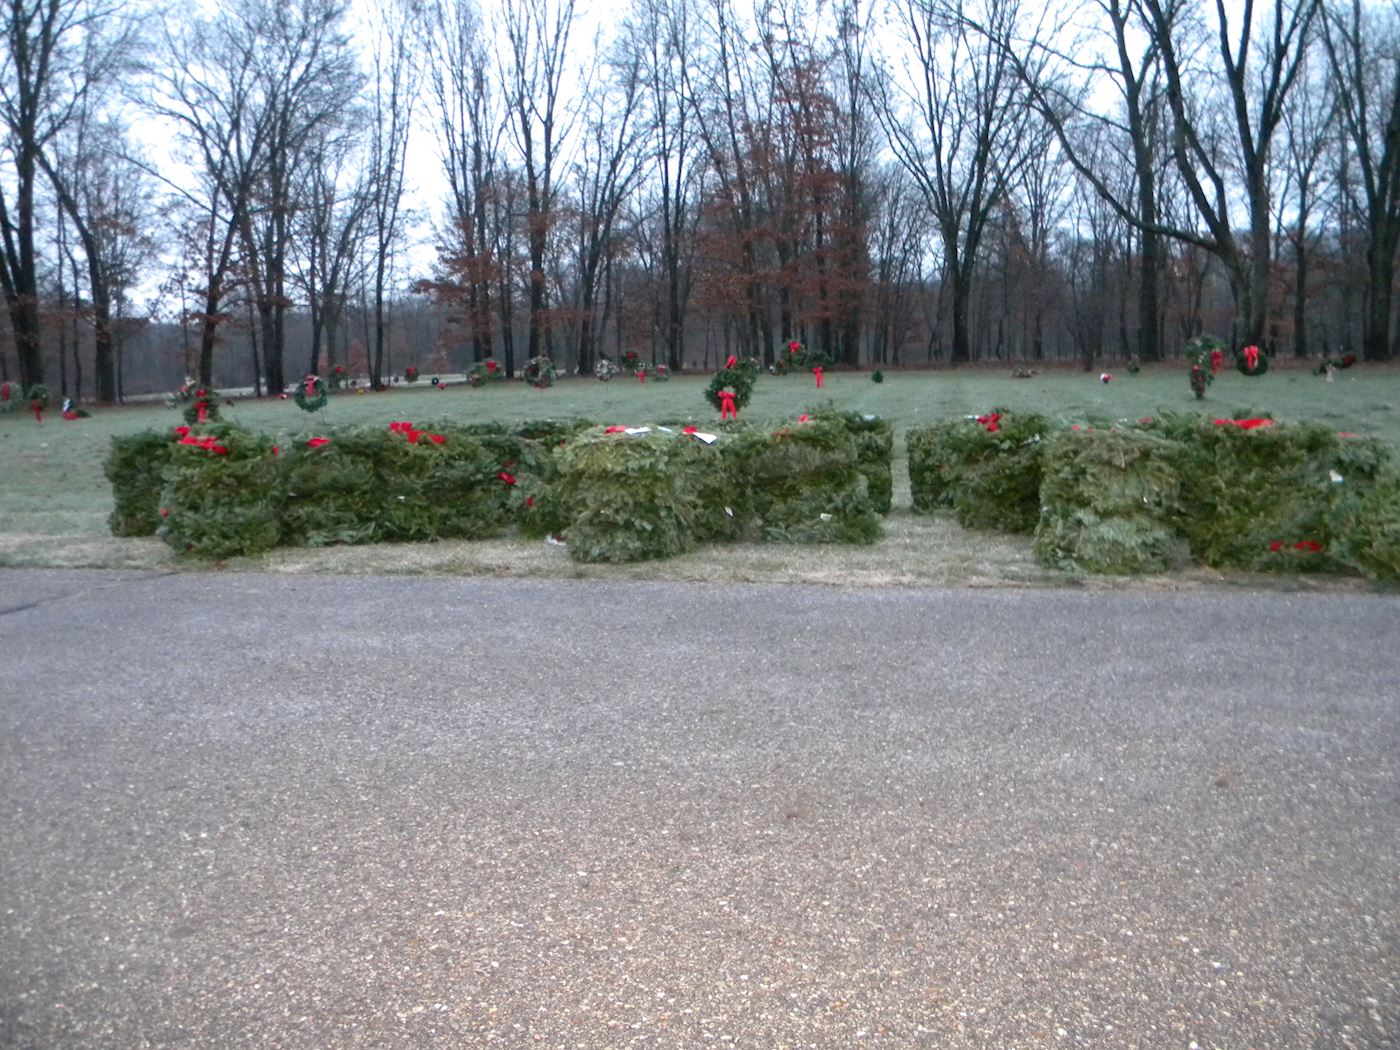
pixel 252 811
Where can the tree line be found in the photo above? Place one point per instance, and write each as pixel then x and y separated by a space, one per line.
pixel 920 180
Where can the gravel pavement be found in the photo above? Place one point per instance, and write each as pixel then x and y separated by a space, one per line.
pixel 312 812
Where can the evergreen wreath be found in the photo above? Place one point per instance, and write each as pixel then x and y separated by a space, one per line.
pixel 737 376
pixel 1251 361
pixel 483 372
pixel 1201 353
pixel 410 374
pixel 203 406
pixel 311 394
pixel 539 372
pixel 1337 363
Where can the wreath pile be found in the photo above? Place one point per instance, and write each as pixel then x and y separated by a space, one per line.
pixel 311 394
pixel 539 372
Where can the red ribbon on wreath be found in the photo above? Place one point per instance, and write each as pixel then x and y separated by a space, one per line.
pixel 38 407
pixel 818 373
pixel 1217 360
pixel 1251 357
pixel 201 409
pixel 310 387
pixel 641 375
pixel 733 360
pixel 727 409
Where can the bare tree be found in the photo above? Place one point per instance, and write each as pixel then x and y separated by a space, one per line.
pixel 956 120
pixel 393 94
pixel 1363 46
pixel 206 83
pixel 56 54
pixel 607 167
pixel 1223 155
pixel 533 68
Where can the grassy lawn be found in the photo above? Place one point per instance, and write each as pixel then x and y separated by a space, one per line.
pixel 54 500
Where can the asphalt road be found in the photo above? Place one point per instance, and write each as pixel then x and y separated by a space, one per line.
pixel 253 811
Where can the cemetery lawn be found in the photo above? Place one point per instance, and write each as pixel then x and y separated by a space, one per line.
pixel 54 500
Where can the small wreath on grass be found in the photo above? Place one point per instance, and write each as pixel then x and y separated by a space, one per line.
pixel 203 406
pixel 737 376
pixel 311 394
pixel 1336 363
pixel 1251 361
pixel 604 370
pixel 483 372
pixel 539 372
pixel 410 374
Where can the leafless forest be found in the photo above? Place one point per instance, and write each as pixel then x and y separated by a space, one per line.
pixel 249 194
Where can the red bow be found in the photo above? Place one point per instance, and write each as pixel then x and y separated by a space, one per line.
pixel 689 430
pixel 311 387
pixel 509 479
pixel 992 421
pixel 38 411
pixel 641 375
pixel 208 443
pixel 1217 360
pixel 733 360
pixel 1244 424
pixel 1251 357
pixel 408 431
pixel 727 409
pixel 318 442
pixel 490 366
pixel 614 430
pixel 201 412
pixel 818 373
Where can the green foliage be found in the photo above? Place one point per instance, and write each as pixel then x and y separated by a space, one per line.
pixel 37 394
pixel 738 377
pixel 1109 502
pixel 1365 522
pixel 539 372
pixel 410 374
pixel 311 394
pixel 1246 489
pixel 874 441
pixel 135 467
pixel 441 483
pixel 218 504
pixel 335 491
pixel 483 372
pixel 877 376
pixel 805 484
pixel 987 469
pixel 203 402
pixel 931 464
pixel 550 431
pixel 1260 366
pixel 636 497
